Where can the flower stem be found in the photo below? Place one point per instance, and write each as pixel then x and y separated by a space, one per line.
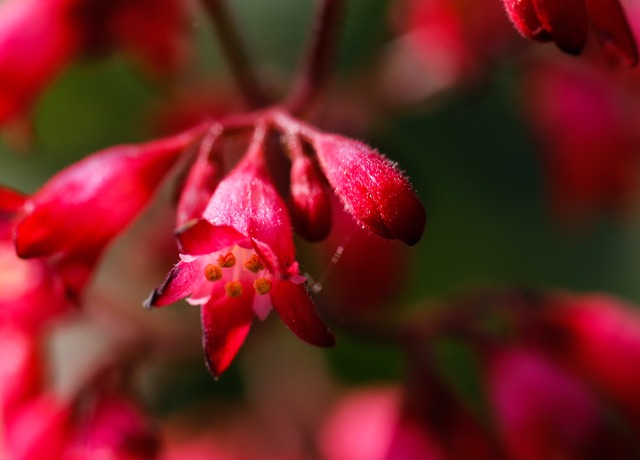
pixel 236 54
pixel 313 73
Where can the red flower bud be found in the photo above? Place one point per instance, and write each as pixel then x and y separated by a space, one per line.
pixel 371 188
pixel 310 200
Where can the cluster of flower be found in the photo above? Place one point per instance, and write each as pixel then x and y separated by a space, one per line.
pixel 246 180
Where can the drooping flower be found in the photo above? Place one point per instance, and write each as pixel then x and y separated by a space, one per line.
pixel 37 39
pixel 82 208
pixel 371 188
pixel 238 262
pixel 543 410
pixel 567 23
pixel 600 337
pixel 587 134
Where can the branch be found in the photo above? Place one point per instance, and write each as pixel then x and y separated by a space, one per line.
pixel 312 75
pixel 235 53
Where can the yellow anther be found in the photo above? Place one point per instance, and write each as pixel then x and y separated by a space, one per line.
pixel 212 272
pixel 227 260
pixel 233 289
pixel 262 286
pixel 254 264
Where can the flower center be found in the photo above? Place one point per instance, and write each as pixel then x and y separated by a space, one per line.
pixel 235 267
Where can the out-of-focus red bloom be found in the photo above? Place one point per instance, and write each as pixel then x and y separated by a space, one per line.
pixel 113 427
pixel 425 421
pixel 600 337
pixel 31 292
pixel 239 261
pixel 587 132
pixel 37 39
pixel 39 430
pixel 81 209
pixel 369 424
pixel 20 371
pixel 151 30
pixel 452 39
pixel 543 410
pixel 567 23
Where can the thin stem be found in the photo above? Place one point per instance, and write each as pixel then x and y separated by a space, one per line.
pixel 235 53
pixel 313 73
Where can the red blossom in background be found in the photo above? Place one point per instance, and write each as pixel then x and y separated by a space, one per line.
pixel 39 38
pixel 543 410
pixel 599 336
pixel 567 23
pixel 587 133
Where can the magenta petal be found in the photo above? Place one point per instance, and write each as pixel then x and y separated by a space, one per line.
pixel 225 324
pixel 248 202
pixel 201 237
pixel 84 206
pixel 180 283
pixel 296 309
pixel 567 22
pixel 371 188
pixel 610 24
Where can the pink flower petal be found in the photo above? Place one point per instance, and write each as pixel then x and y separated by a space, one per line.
pixel 371 188
pixel 295 307
pixel 180 283
pixel 201 237
pixel 225 324
pixel 248 202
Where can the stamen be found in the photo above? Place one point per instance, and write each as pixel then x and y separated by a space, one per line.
pixel 262 286
pixel 254 264
pixel 233 289
pixel 227 260
pixel 212 272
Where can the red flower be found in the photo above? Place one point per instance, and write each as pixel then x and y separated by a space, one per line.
pixel 566 22
pixel 600 337
pixel 239 261
pixel 542 409
pixel 37 39
pixel 371 188
pixel 82 208
pixel 587 130
pixel 114 427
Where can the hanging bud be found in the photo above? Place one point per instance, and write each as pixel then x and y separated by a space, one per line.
pixel 371 187
pixel 310 200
